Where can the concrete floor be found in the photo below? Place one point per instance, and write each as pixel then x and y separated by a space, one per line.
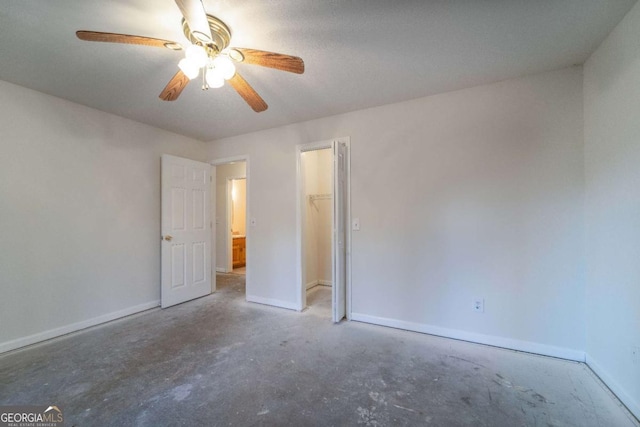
pixel 221 361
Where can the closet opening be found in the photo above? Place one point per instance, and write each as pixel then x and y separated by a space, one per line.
pixel 324 240
pixel 317 191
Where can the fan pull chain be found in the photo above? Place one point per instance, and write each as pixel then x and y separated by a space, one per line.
pixel 205 86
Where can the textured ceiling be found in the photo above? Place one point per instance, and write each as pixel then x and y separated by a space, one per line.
pixel 357 53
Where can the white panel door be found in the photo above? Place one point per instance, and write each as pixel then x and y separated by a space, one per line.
pixel 339 288
pixel 186 230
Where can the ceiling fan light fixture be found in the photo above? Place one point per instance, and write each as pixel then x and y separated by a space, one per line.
pixel 225 66
pixel 214 78
pixel 208 51
pixel 189 69
pixel 197 55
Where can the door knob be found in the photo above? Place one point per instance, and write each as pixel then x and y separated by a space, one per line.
pixel 168 238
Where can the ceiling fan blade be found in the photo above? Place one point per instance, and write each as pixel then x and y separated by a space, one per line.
pixel 174 88
pixel 195 15
pixel 248 93
pixel 96 36
pixel 289 63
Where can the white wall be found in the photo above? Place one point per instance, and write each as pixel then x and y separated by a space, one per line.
pixel 612 169
pixel 223 172
pixel 239 212
pixel 491 207
pixel 79 214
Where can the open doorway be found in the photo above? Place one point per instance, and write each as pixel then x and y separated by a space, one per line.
pixel 237 217
pixel 323 236
pixel 231 234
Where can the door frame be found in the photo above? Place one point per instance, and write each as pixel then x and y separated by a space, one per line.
pixel 219 162
pixel 301 300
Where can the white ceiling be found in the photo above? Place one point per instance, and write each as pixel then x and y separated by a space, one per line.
pixel 357 53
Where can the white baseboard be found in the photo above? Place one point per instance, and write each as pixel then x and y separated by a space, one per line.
pixel 74 327
pixel 273 302
pixel 221 270
pixel 526 346
pixel 632 405
pixel 315 283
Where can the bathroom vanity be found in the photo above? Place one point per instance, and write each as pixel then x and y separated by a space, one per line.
pixel 239 251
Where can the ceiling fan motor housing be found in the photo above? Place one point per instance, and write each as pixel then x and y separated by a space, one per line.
pixel 220 34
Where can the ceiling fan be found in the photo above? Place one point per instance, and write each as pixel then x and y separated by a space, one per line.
pixel 209 55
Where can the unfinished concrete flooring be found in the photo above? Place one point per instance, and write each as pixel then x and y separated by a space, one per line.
pixel 220 361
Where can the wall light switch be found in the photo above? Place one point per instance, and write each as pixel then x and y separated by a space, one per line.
pixel 355 224
pixel 252 222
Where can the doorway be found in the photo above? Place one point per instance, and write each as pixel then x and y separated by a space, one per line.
pixel 230 207
pixel 323 238
pixel 237 218
pixel 317 227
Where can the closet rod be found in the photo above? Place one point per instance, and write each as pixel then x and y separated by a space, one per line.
pixel 313 197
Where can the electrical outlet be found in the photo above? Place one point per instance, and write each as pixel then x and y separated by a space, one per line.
pixel 635 354
pixel 355 224
pixel 253 222
pixel 478 305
